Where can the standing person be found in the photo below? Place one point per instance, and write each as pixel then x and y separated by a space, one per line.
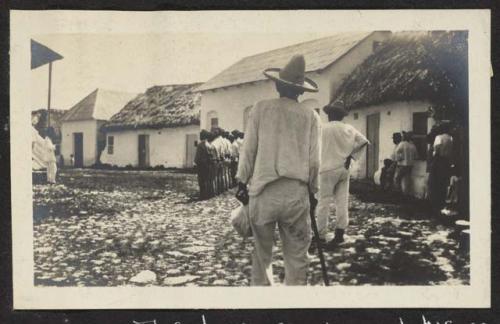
pixel 212 166
pixel 280 157
pixel 72 160
pixel 217 143
pixel 440 170
pixel 227 159
pixel 406 154
pixel 387 179
pixel 235 153
pixel 340 144
pixel 202 161
pixel 51 160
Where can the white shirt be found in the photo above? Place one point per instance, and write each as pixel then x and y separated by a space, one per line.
pixel 339 140
pixel 50 150
pixel 235 149
pixel 443 145
pixel 406 153
pixel 219 147
pixel 282 140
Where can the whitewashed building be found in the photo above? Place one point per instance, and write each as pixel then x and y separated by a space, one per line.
pixel 402 87
pixel 80 126
pixel 228 97
pixel 158 128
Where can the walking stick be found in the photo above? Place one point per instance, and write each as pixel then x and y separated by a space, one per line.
pixel 320 248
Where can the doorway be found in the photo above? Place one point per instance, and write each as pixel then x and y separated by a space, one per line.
pixel 372 133
pixel 78 149
pixel 191 140
pixel 143 151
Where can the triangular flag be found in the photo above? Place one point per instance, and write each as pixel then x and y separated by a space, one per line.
pixel 41 54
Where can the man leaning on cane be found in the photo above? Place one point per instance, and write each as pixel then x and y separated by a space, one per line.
pixel 281 156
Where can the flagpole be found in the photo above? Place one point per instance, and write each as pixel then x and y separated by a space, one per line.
pixel 48 103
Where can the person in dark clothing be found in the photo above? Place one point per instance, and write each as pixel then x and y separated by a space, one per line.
pixel 441 167
pixel 202 161
pixel 387 176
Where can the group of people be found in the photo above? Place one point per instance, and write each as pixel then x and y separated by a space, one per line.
pixel 216 159
pixel 399 166
pixel 287 163
pixel 444 160
pixel 445 165
pixel 290 163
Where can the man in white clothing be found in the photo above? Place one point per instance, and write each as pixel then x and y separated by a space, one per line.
pixel 51 160
pixel 406 154
pixel 281 155
pixel 340 143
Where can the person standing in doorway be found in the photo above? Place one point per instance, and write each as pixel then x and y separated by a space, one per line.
pixel 280 157
pixel 340 144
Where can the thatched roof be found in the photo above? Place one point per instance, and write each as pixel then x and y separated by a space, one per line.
pixel 158 107
pixel 100 104
pixel 319 54
pixel 411 66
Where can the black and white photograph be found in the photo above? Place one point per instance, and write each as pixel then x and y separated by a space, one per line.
pixel 333 157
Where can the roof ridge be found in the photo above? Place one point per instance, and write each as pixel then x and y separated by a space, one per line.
pixel 304 43
pixel 319 52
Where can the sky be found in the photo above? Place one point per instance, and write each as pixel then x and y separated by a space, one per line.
pixel 134 62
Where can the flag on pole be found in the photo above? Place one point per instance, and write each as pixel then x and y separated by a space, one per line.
pixel 41 55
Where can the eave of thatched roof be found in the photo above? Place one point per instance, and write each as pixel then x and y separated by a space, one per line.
pixel 159 107
pixel 429 67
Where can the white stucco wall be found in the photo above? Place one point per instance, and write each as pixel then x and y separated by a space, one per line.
pixel 394 117
pixel 167 146
pixel 229 103
pixel 89 130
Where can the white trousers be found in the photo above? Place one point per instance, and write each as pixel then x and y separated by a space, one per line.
pixel 51 172
pixel 284 202
pixel 333 184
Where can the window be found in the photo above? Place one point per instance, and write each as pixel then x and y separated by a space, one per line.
pixel 111 144
pixel 212 119
pixel 420 133
pixel 214 122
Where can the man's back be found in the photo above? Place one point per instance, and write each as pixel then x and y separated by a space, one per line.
pixel 281 141
pixel 443 145
pixel 202 156
pixel 338 142
pixel 406 153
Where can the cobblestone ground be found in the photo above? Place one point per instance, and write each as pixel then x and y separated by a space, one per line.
pixel 111 228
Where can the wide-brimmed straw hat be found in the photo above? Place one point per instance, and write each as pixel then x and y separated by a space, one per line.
pixel 293 75
pixel 337 108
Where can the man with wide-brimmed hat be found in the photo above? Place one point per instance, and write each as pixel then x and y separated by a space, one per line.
pixel 280 160
pixel 339 145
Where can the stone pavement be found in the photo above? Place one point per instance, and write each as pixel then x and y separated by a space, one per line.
pixel 110 228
